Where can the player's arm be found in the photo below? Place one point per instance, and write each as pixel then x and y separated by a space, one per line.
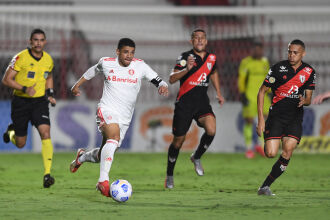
pixel 178 74
pixel 9 81
pixel 153 77
pixel 50 89
pixel 260 106
pixel 89 74
pixel 215 79
pixel 307 99
pixel 242 75
pixel 320 98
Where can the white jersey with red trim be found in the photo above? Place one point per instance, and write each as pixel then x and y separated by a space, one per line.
pixel 121 85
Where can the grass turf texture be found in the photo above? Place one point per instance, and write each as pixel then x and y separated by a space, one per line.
pixel 227 191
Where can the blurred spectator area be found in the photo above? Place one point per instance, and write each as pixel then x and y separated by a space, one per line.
pixel 77 41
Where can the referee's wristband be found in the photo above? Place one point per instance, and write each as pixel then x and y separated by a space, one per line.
pixel 24 89
pixel 50 92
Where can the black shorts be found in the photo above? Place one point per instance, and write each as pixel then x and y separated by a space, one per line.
pixel 277 127
pixel 24 110
pixel 183 116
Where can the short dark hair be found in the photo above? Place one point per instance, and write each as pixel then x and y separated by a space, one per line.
pixel 197 30
pixel 297 42
pixel 37 31
pixel 125 42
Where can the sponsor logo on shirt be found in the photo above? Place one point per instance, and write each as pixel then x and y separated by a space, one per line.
pixel 308 70
pixel 283 69
pixel 123 80
pixel 212 58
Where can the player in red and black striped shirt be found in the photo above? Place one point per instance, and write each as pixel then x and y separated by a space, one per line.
pixel 292 82
pixel 194 70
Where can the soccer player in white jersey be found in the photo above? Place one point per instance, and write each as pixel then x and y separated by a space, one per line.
pixel 122 82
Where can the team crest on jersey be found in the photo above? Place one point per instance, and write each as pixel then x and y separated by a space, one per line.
pixel 183 63
pixel 302 78
pixel 271 79
pixel 111 71
pixel 209 66
pixel 46 74
pixel 131 72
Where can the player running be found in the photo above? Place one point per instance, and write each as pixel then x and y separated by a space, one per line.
pixel 252 72
pixel 194 69
pixel 122 82
pixel 30 75
pixel 292 82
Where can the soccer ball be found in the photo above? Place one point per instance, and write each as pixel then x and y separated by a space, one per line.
pixel 120 190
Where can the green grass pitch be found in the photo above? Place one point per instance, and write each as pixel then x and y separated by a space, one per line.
pixel 226 191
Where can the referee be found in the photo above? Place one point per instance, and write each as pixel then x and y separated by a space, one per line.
pixel 29 75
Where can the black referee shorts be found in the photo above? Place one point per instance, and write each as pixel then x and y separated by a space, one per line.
pixel 183 116
pixel 277 127
pixel 24 110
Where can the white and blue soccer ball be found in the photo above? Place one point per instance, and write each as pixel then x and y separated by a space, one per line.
pixel 120 190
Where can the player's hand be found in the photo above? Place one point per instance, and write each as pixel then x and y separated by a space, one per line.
pixel 320 98
pixel 301 101
pixel 163 90
pixel 30 90
pixel 190 62
pixel 221 100
pixel 260 127
pixel 52 101
pixel 75 90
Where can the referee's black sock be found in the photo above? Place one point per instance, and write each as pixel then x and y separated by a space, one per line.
pixel 278 168
pixel 171 159
pixel 206 141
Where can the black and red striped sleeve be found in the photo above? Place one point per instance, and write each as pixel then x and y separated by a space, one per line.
pixel 310 84
pixel 181 62
pixel 270 78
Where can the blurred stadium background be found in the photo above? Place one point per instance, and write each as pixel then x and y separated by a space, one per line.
pixel 79 32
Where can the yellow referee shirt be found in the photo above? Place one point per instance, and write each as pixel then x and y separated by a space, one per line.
pixel 31 71
pixel 252 73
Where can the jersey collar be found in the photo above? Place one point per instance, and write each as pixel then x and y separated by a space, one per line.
pixel 36 58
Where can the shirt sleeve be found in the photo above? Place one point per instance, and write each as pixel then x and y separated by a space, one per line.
pixel 310 84
pixel 149 73
pixel 16 63
pixel 51 65
pixel 94 70
pixel 181 62
pixel 270 78
pixel 242 73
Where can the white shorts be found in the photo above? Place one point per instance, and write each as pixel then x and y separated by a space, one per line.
pixel 104 116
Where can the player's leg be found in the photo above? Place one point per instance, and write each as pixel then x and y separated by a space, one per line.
pixel 82 156
pixel 47 154
pixel 112 134
pixel 40 119
pixel 208 122
pixel 274 130
pixel 249 111
pixel 181 123
pixel 20 115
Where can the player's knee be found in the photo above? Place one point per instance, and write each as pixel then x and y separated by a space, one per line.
pixel 178 142
pixel 270 154
pixel 45 135
pixel 211 132
pixel 20 144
